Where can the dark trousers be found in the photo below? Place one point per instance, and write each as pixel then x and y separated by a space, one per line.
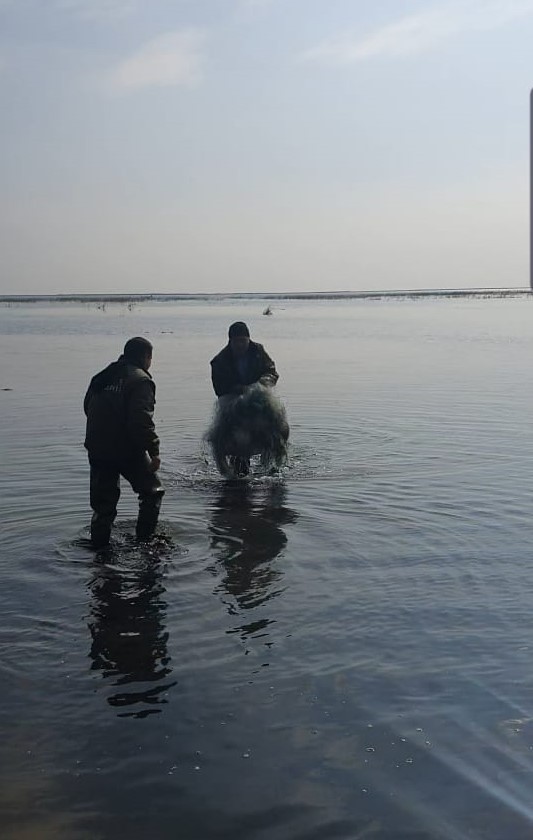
pixel 105 493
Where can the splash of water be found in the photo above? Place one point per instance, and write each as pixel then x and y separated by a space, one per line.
pixel 248 424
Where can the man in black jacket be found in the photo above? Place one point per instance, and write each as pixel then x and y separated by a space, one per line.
pixel 242 362
pixel 121 440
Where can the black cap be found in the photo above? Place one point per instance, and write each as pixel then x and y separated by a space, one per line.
pixel 239 329
pixel 137 348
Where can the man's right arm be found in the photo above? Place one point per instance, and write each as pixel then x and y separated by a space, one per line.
pixel 86 400
pixel 215 382
pixel 219 378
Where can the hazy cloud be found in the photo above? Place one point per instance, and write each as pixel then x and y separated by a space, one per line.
pixel 94 10
pixel 420 32
pixel 256 4
pixel 175 58
pixel 98 9
pixel 253 8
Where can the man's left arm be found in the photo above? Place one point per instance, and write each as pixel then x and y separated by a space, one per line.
pixel 269 375
pixel 140 418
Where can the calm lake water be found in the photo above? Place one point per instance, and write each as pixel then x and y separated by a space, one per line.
pixel 343 651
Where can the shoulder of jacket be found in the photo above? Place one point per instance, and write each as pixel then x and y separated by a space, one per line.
pixel 137 375
pixel 220 356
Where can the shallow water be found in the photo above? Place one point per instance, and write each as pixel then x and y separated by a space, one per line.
pixel 340 651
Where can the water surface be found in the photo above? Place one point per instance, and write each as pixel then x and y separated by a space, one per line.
pixel 341 651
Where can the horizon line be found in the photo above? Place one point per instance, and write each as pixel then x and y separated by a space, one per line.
pixel 125 297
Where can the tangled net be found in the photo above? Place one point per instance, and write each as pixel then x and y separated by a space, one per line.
pixel 252 423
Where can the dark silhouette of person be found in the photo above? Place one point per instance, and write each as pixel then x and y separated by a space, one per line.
pixel 245 423
pixel 240 363
pixel 247 536
pixel 121 440
pixel 129 639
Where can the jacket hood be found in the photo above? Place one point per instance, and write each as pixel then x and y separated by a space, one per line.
pixel 108 375
pixel 116 370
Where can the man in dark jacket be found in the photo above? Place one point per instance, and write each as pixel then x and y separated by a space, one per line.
pixel 242 362
pixel 121 440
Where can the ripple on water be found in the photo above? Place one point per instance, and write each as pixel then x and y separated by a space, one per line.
pixel 339 651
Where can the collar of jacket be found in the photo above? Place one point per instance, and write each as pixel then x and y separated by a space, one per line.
pixel 129 363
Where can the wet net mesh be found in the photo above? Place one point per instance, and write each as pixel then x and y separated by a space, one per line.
pixel 252 423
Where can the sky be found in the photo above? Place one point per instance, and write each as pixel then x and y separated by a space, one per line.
pixel 264 145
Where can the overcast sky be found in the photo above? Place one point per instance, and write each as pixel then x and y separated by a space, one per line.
pixel 235 145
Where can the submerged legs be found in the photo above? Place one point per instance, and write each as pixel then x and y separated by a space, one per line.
pixel 105 493
pixel 104 496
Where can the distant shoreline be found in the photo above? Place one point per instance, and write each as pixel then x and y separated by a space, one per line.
pixel 219 296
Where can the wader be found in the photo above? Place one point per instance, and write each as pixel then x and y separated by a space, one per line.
pixel 105 493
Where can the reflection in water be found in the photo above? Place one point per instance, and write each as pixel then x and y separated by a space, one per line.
pixel 129 640
pixel 246 536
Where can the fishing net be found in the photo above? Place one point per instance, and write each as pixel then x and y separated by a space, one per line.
pixel 248 424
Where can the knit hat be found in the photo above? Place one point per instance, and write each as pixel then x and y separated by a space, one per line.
pixel 239 329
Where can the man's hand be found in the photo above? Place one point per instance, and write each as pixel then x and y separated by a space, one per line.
pixel 267 381
pixel 155 463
